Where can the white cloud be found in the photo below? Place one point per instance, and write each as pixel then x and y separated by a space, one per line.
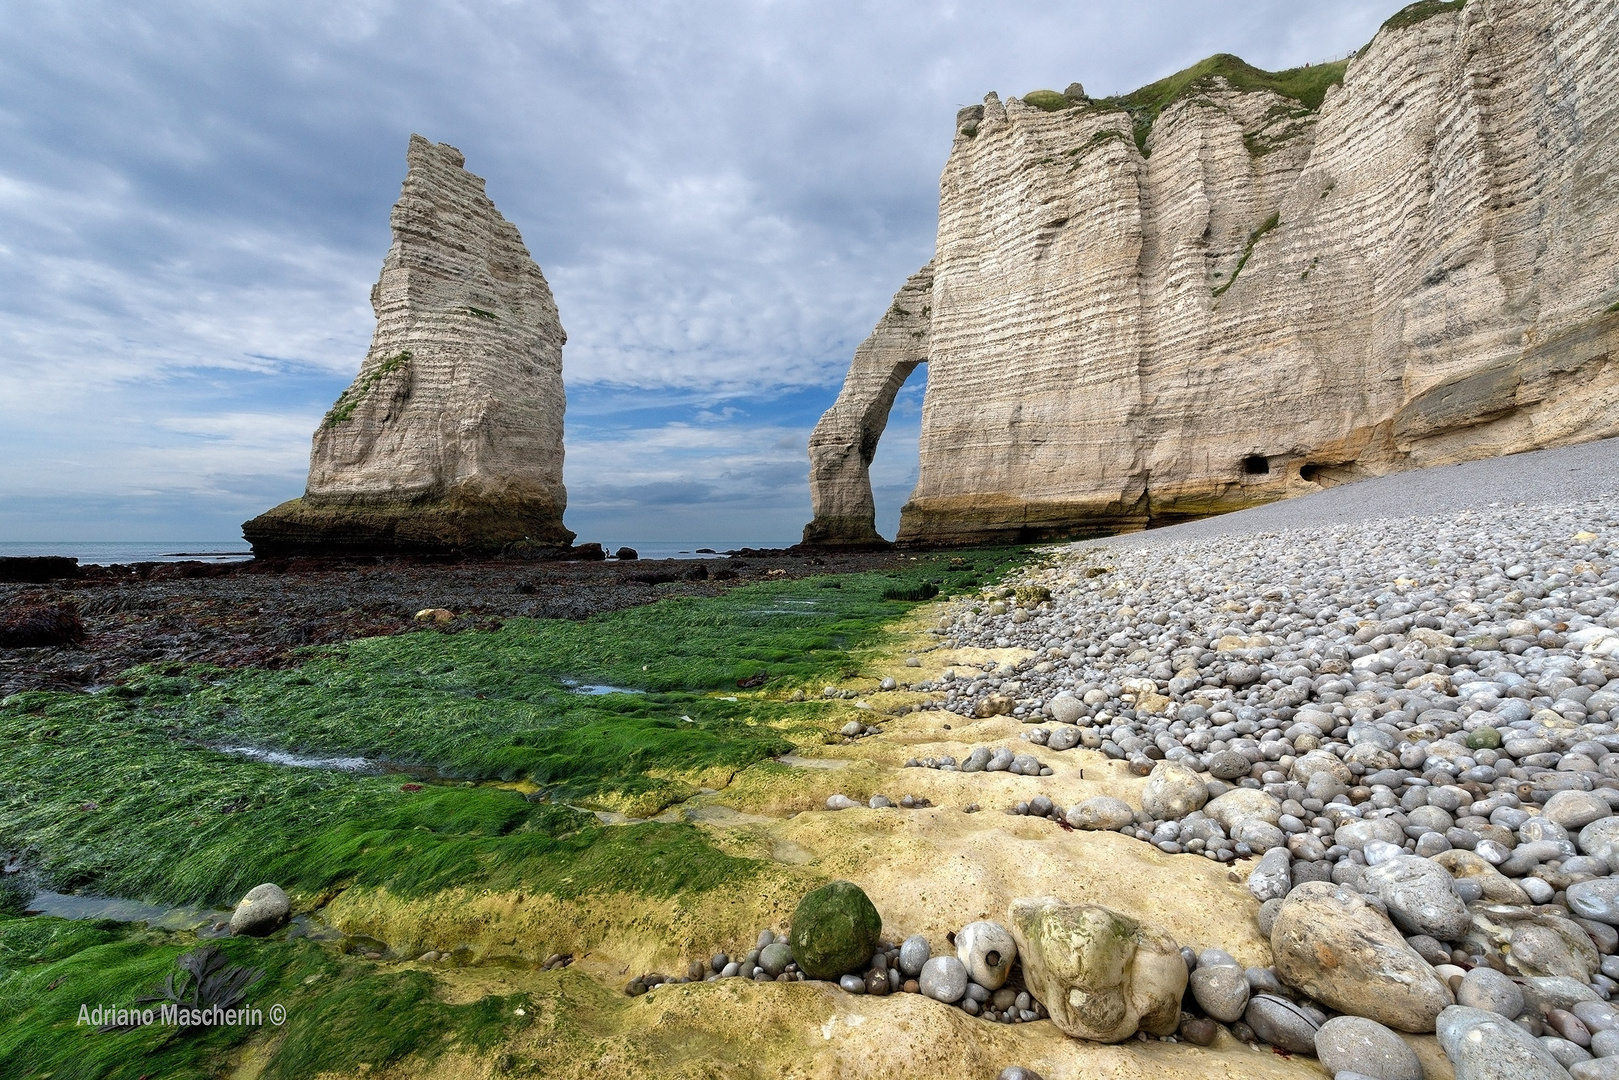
pixel 724 194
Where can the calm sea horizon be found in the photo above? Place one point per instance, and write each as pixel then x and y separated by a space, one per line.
pixel 106 552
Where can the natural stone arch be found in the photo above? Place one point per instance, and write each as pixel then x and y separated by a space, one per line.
pixel 845 441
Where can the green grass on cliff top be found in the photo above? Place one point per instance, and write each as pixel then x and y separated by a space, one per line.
pixel 1306 85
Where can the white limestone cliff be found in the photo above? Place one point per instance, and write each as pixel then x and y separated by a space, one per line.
pixel 450 437
pixel 1270 292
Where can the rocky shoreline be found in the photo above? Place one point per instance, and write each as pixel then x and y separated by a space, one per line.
pixel 1408 725
pixel 260 612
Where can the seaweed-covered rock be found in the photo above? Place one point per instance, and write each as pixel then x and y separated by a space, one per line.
pixel 835 930
pixel 36 625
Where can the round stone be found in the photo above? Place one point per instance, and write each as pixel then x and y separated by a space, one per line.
pixel 261 911
pixel 1356 1044
pixel 834 930
pixel 852 984
pixel 1490 990
pixel 987 950
pixel 1281 1023
pixel 1227 765
pixel 1199 1031
pixel 1221 991
pixel 1065 708
pixel 1601 838
pixel 775 957
pixel 1597 899
pixel 1172 791
pixel 1100 812
pixel 1576 809
pixel 943 978
pixel 913 954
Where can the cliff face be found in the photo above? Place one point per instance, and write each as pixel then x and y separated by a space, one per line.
pixel 450 437
pixel 1272 291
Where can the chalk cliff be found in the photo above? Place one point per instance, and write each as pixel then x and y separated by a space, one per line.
pixel 844 442
pixel 450 437
pixel 1235 286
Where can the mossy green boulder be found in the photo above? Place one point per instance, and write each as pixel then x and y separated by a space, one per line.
pixel 1485 738
pixel 834 931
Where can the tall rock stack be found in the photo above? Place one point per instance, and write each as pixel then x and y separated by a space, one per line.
pixel 1235 286
pixel 450 437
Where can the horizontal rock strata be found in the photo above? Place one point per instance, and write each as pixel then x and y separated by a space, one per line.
pixel 1233 287
pixel 450 437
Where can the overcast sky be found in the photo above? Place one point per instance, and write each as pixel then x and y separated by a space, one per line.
pixel 724 196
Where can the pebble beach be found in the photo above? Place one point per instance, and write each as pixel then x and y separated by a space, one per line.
pixel 1393 709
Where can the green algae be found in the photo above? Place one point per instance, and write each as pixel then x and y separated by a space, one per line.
pixel 127 793
pixel 340 1013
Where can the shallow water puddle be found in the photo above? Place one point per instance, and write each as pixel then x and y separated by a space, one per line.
pixel 813 763
pixel 597 689
pixel 303 761
pixel 118 909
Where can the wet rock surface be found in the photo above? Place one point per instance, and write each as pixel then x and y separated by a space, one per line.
pixel 257 613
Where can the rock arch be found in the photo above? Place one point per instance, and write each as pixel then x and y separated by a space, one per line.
pixel 845 441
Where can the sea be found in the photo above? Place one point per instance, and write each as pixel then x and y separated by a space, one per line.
pixel 107 552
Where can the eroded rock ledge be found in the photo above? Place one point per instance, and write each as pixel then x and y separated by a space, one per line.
pixel 1235 286
pixel 450 437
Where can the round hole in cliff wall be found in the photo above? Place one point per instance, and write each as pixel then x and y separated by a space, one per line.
pixel 1310 472
pixel 1255 465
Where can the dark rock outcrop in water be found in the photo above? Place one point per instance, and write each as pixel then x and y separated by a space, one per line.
pixel 450 437
pixel 1235 286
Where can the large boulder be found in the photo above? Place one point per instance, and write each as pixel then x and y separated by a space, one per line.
pixel 1330 943
pixel 1102 975
pixel 1420 895
pixel 1498 888
pixel 834 931
pixel 1172 791
pixel 261 911
pixel 1243 804
pixel 1487 1046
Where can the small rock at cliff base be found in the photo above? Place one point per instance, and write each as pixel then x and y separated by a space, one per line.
pixel 261 911
pixel 834 930
pixel 1272 878
pixel 1065 708
pixel 626 554
pixel 913 954
pixel 1281 1023
pixel 1490 990
pixel 1172 791
pixel 943 978
pixel 1356 1044
pixel 1330 943
pixel 1221 990
pixel 1597 900
pixel 1485 1046
pixel 987 950
pixel 1100 974
pixel 1100 812
pixel 775 957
